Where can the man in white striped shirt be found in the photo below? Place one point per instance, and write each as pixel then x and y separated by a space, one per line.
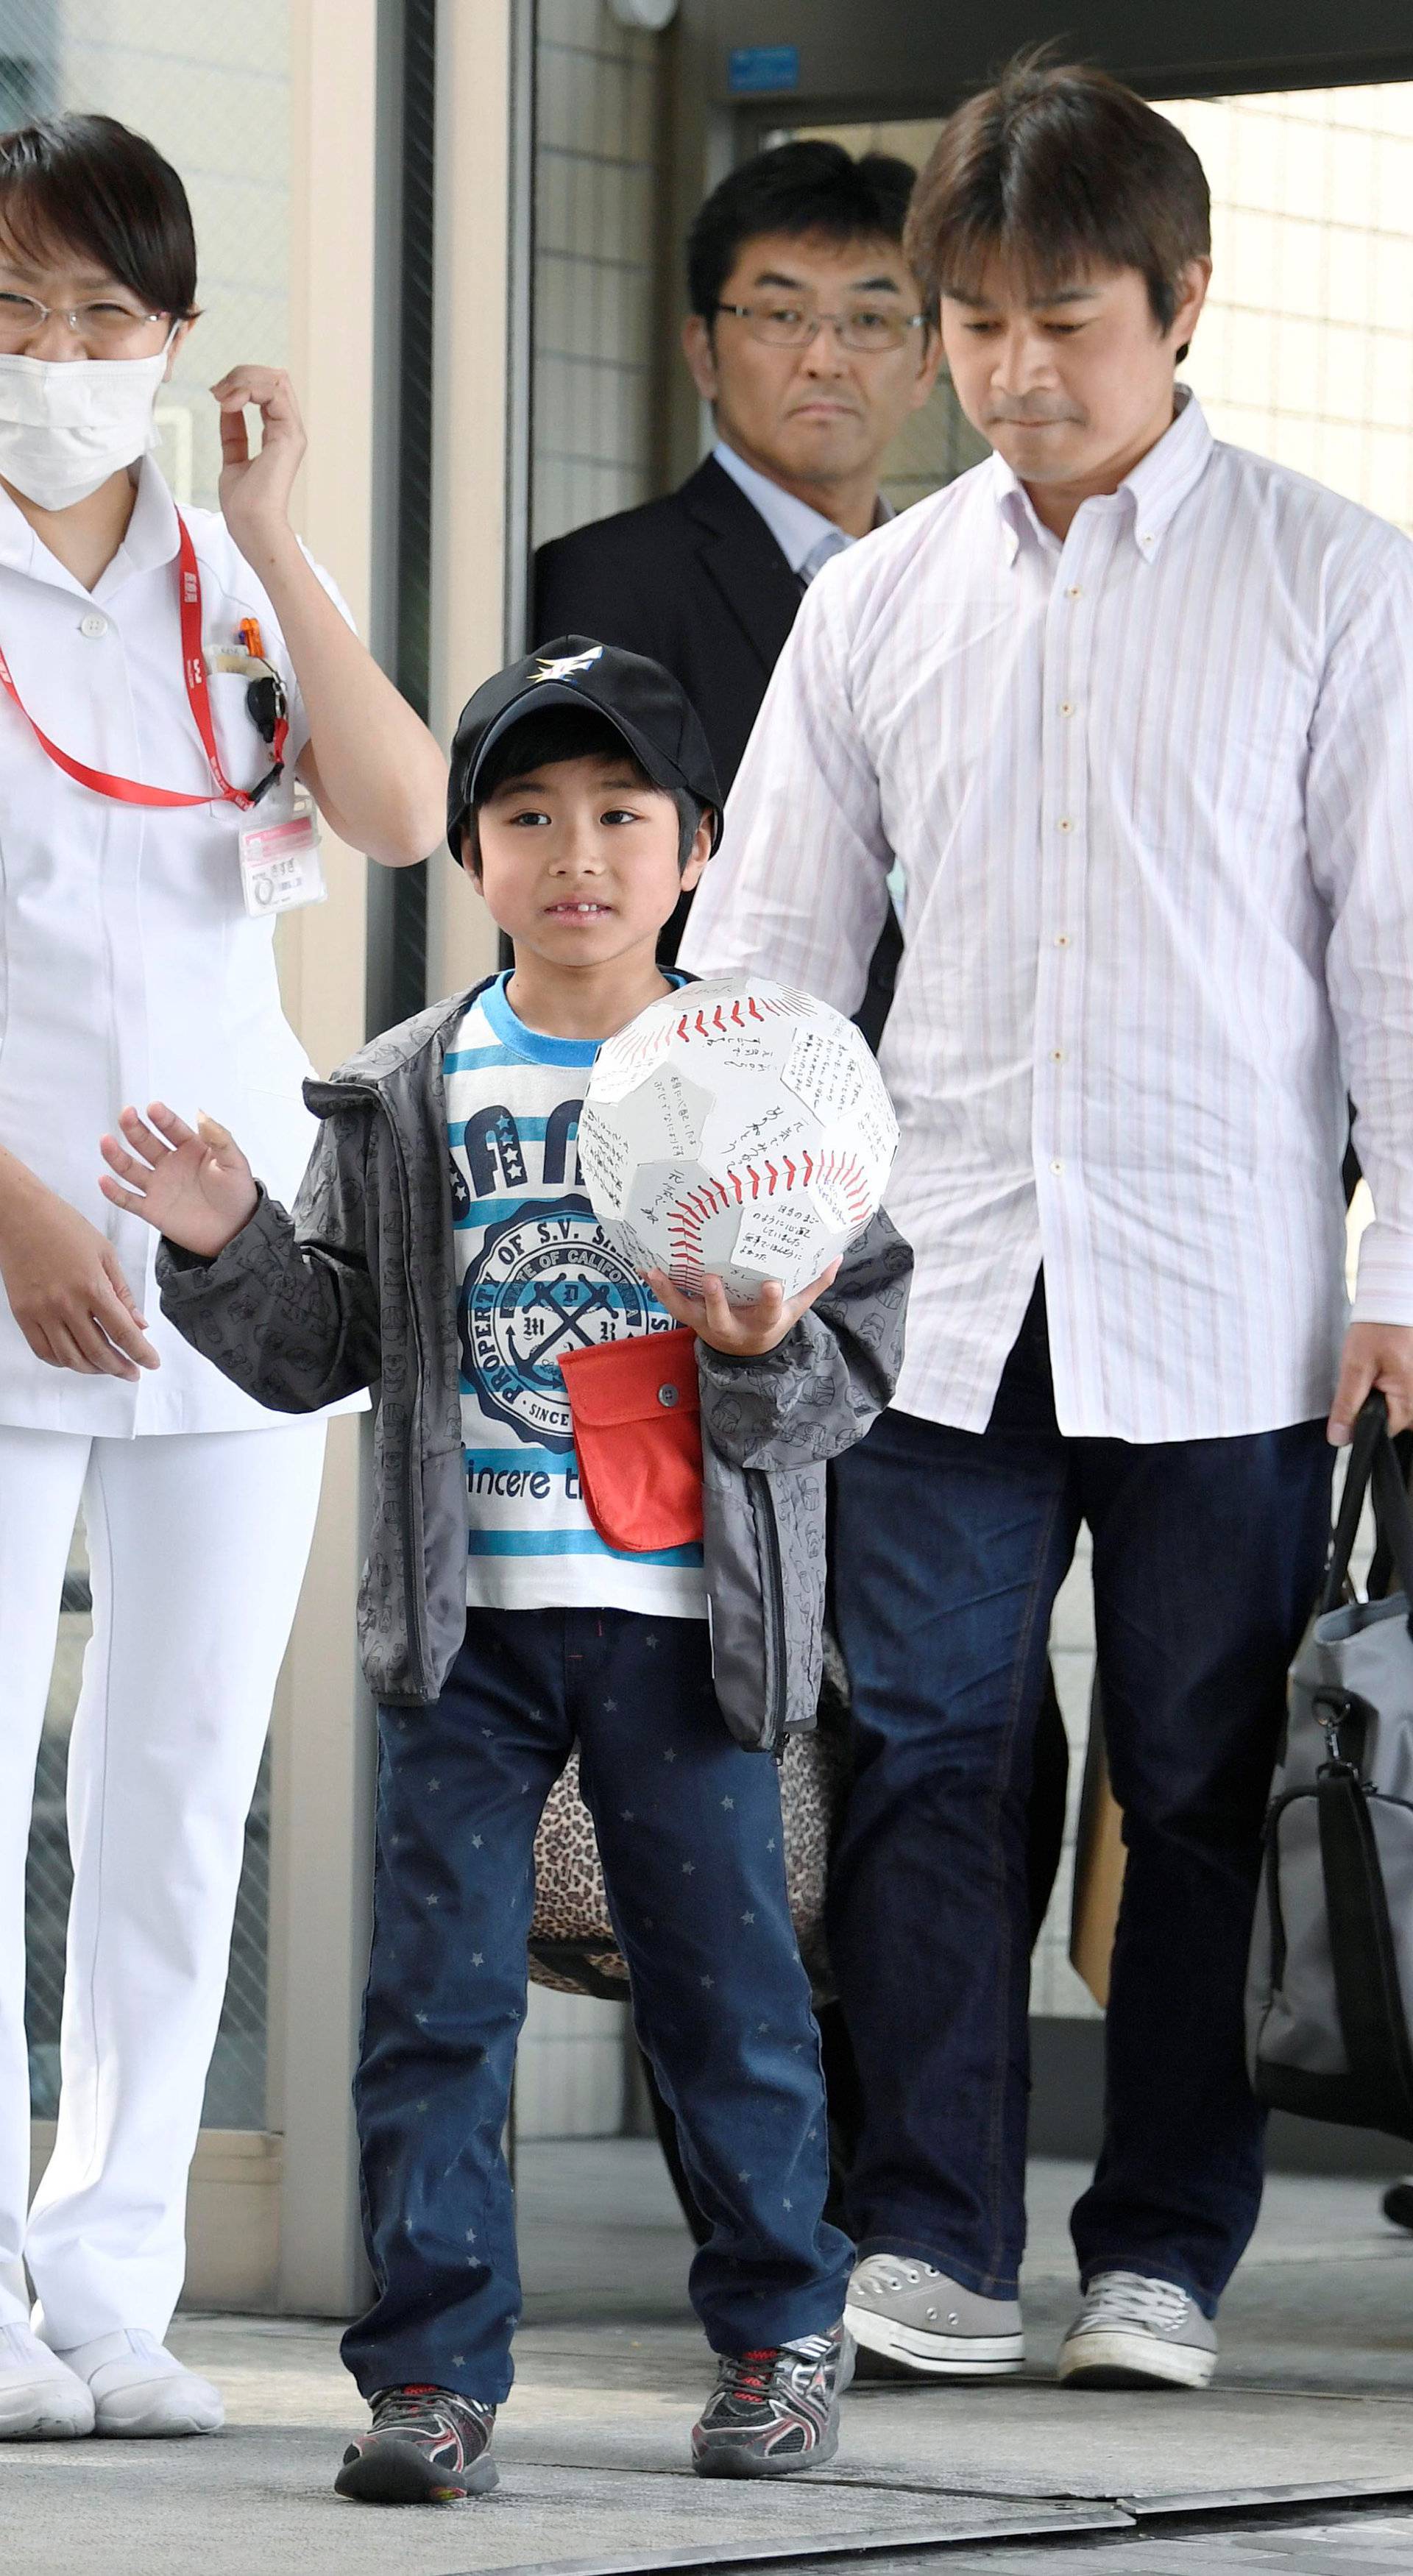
pixel 1132 712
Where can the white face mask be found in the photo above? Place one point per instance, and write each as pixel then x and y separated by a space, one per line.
pixel 66 425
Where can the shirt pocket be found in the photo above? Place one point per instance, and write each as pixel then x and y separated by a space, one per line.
pixel 636 1413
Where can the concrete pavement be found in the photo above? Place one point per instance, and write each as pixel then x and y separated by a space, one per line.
pixel 1316 2390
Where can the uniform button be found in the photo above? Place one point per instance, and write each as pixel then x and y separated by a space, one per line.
pixel 667 1395
pixel 1062 939
pixel 1057 1055
pixel 1074 591
pixel 1067 706
pixel 93 624
pixel 1057 1165
pixel 1065 824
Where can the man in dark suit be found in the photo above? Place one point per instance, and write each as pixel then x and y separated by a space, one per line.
pixel 808 339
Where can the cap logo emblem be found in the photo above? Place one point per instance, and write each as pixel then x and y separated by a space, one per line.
pixel 567 665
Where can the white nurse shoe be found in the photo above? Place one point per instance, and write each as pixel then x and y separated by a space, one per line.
pixel 40 2400
pixel 140 2390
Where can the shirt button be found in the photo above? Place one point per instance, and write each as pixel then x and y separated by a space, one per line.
pixel 1057 1165
pixel 1074 591
pixel 1067 706
pixel 1057 1055
pixel 1062 939
pixel 1065 824
pixel 667 1395
pixel 93 624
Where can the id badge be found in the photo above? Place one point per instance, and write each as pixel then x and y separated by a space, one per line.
pixel 280 866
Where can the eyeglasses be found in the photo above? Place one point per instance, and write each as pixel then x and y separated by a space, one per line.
pixel 793 326
pixel 102 326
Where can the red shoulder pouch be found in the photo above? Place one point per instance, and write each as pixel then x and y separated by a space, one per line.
pixel 637 1430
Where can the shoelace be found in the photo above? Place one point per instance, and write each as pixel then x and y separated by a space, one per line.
pixel 749 2374
pixel 890 2272
pixel 1130 2299
pixel 393 2407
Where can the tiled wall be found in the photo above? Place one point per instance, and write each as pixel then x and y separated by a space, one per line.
pixel 596 121
pixel 597 113
pixel 1305 351
pixel 210 85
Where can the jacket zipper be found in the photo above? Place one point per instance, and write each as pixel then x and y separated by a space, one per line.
pixel 414 1579
pixel 773 1602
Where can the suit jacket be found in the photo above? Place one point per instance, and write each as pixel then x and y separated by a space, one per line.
pixel 697 582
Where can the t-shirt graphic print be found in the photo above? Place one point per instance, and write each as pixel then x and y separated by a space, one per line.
pixel 536 1279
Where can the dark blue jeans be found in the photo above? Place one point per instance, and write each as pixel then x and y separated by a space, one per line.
pixel 688 1828
pixel 948 1550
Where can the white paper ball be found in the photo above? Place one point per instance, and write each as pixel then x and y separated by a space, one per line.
pixel 740 1127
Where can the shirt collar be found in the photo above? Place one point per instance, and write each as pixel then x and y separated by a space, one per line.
pixel 152 535
pixel 796 528
pixel 1152 494
pixel 151 539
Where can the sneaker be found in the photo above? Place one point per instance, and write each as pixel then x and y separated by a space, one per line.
pixel 917 2318
pixel 141 2391
pixel 40 2401
pixel 1135 2333
pixel 774 2411
pixel 425 2446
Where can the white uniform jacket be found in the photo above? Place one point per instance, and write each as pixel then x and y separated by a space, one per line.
pixel 129 968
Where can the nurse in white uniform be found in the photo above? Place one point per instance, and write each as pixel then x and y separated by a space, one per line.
pixel 155 670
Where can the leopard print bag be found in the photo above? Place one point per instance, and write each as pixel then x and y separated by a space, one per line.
pixel 572 1943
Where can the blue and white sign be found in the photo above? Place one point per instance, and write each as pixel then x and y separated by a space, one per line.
pixel 758 68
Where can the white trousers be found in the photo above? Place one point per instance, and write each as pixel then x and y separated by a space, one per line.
pixel 197 1548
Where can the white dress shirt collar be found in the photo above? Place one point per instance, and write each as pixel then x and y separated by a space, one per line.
pixel 150 538
pixel 1152 493
pixel 798 530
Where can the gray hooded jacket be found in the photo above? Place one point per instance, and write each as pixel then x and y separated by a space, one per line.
pixel 357 1288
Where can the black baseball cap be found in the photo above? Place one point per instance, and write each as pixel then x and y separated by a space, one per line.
pixel 640 699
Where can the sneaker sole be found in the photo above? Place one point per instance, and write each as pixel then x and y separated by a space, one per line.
pixel 151 2422
pixel 398 2473
pixel 937 2356
pixel 40 2420
pixel 750 2464
pixel 1131 2361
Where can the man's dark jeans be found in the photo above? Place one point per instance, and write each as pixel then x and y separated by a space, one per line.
pixel 688 1828
pixel 948 1550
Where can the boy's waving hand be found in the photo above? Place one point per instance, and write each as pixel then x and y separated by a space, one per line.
pixel 192 1183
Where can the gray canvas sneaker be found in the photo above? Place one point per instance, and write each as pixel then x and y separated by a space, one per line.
pixel 918 2319
pixel 1135 2333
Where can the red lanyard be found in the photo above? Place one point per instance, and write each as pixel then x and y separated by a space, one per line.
pixel 128 791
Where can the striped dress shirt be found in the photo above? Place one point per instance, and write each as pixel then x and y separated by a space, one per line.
pixel 1150 792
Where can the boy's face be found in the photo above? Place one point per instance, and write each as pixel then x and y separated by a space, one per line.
pixel 579 863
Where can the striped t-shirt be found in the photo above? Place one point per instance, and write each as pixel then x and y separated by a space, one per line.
pixel 536 1278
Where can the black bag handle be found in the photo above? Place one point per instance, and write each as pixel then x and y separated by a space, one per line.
pixel 1371 1462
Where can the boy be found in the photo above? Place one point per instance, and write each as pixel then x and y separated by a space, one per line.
pixel 441 1245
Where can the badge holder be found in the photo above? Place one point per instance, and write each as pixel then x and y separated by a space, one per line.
pixel 280 866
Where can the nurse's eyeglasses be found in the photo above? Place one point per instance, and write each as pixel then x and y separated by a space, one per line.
pixel 793 326
pixel 102 326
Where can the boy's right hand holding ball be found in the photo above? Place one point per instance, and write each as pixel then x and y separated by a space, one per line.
pixel 193 1183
